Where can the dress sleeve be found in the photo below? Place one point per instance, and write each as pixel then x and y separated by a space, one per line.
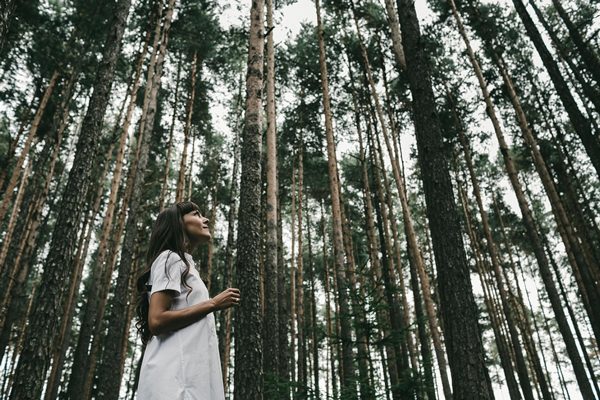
pixel 166 273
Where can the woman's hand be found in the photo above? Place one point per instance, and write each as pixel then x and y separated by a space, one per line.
pixel 227 298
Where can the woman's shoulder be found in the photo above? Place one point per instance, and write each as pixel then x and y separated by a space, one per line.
pixel 167 258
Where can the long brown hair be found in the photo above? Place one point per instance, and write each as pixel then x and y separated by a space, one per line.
pixel 168 233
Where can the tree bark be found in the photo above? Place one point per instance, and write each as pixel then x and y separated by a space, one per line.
pixel 248 376
pixel 397 49
pixel 458 308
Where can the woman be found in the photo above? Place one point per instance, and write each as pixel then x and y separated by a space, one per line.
pixel 181 359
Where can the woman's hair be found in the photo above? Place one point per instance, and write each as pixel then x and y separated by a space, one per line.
pixel 168 233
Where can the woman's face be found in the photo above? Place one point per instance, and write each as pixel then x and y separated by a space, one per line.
pixel 196 227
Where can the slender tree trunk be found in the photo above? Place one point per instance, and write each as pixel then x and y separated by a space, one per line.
pixel 392 17
pixel 462 332
pixel 293 292
pixel 248 355
pixel 313 312
pixel 348 379
pixel 283 310
pixel 49 302
pixel 301 381
pixel 328 317
pixel 179 193
pixel 271 340
pixel 165 182
pixel 388 277
pixel 225 325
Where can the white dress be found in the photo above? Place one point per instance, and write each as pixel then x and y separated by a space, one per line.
pixel 184 364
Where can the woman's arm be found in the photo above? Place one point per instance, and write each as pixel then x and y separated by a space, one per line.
pixel 161 319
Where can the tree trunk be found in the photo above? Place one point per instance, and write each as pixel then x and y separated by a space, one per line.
pixel 110 366
pixel 458 308
pixel 225 325
pixel 313 312
pixel 283 310
pixel 413 248
pixel 164 189
pixel 179 193
pixel 293 292
pixel 62 342
pixel 49 302
pixel 248 355
pixel 328 317
pixel 301 381
pixel 96 290
pixel 392 17
pixel 348 379
pixel 271 340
